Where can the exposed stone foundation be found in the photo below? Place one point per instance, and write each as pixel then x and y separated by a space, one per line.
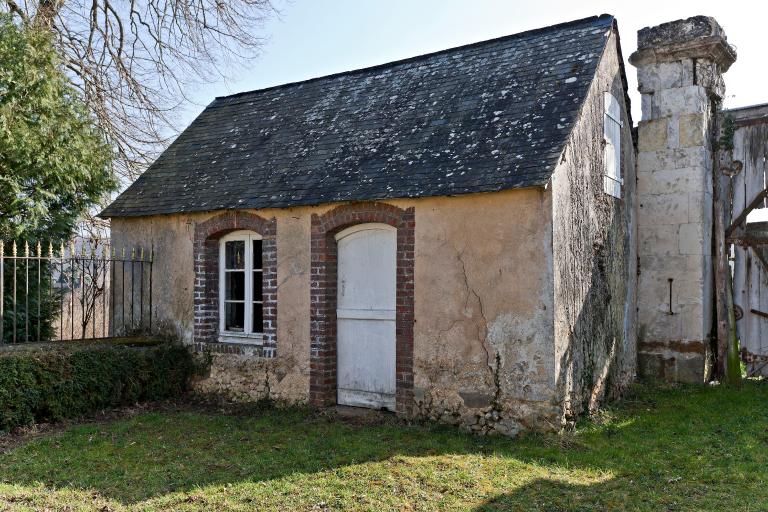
pixel 480 413
pixel 240 373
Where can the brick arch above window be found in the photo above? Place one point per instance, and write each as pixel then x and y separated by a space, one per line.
pixel 323 297
pixel 206 261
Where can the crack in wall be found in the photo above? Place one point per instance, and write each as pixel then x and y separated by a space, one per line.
pixel 482 333
pixel 494 368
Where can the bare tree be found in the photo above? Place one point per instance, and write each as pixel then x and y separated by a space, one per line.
pixel 134 60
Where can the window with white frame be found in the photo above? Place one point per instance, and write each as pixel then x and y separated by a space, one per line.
pixel 241 305
pixel 612 125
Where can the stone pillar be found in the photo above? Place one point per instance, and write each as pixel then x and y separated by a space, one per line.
pixel 679 68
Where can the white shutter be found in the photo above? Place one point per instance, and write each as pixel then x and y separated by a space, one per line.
pixel 612 153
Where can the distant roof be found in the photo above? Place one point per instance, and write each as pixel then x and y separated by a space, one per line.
pixel 749 115
pixel 483 117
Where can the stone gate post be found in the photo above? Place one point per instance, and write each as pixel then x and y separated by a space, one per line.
pixel 679 69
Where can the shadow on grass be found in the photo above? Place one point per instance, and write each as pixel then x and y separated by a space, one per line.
pixel 665 447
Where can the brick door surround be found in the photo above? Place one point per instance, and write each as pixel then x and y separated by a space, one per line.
pixel 323 297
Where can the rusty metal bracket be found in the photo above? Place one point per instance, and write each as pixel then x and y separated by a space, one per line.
pixel 670 296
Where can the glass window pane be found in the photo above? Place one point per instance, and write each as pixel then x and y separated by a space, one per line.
pixel 257 254
pixel 258 318
pixel 234 285
pixel 234 317
pixel 257 283
pixel 235 254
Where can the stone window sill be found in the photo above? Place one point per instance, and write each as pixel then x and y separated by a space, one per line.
pixel 241 339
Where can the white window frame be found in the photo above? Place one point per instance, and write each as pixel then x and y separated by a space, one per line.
pixel 247 335
pixel 612 127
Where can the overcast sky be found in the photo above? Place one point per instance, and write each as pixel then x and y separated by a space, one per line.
pixel 318 37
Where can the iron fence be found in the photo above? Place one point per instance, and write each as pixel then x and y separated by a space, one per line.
pixel 84 289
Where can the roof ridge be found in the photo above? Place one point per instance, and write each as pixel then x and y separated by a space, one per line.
pixel 394 63
pixel 746 107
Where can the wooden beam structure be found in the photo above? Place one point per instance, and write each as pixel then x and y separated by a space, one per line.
pixel 755 235
pixel 742 217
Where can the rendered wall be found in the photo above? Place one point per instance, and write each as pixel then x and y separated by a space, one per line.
pixel 483 350
pixel 235 372
pixel 595 258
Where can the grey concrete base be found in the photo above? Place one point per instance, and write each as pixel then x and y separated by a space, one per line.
pixel 674 367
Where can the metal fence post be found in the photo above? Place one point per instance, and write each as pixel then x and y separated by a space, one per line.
pixel 133 279
pixel 39 285
pixel 61 293
pixel 104 252
pixel 26 291
pixel 14 253
pixel 72 265
pixel 151 264
pixel 2 292
pixel 122 291
pixel 69 271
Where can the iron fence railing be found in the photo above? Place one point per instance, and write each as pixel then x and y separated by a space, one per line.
pixel 84 289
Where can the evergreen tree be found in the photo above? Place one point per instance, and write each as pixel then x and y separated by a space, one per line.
pixel 54 161
pixel 54 166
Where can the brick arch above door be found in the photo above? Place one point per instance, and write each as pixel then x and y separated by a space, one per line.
pixel 323 296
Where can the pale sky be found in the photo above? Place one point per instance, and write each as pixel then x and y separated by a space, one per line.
pixel 319 37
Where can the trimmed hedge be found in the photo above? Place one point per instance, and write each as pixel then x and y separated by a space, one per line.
pixel 50 385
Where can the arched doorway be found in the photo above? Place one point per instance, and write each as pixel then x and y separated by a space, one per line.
pixel 366 316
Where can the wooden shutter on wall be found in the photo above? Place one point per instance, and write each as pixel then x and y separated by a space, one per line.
pixel 612 125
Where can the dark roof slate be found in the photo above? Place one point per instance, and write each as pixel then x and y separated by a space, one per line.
pixel 484 117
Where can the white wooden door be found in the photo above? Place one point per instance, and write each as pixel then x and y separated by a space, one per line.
pixel 366 316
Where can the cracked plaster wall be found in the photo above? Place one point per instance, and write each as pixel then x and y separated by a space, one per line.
pixel 482 341
pixel 483 336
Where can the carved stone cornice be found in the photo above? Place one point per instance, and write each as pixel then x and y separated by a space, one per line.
pixel 713 48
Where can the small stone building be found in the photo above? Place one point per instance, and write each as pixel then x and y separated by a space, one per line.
pixel 451 236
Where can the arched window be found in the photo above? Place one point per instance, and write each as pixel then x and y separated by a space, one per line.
pixel 241 302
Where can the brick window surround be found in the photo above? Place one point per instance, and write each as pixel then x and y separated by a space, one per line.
pixel 206 258
pixel 323 297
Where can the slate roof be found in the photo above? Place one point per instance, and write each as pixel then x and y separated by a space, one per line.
pixel 484 117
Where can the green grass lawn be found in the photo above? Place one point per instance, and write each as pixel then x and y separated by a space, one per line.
pixel 687 448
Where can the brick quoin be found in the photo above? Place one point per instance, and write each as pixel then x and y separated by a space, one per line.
pixel 206 261
pixel 323 297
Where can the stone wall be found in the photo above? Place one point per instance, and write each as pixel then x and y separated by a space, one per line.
pixel 679 66
pixel 595 258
